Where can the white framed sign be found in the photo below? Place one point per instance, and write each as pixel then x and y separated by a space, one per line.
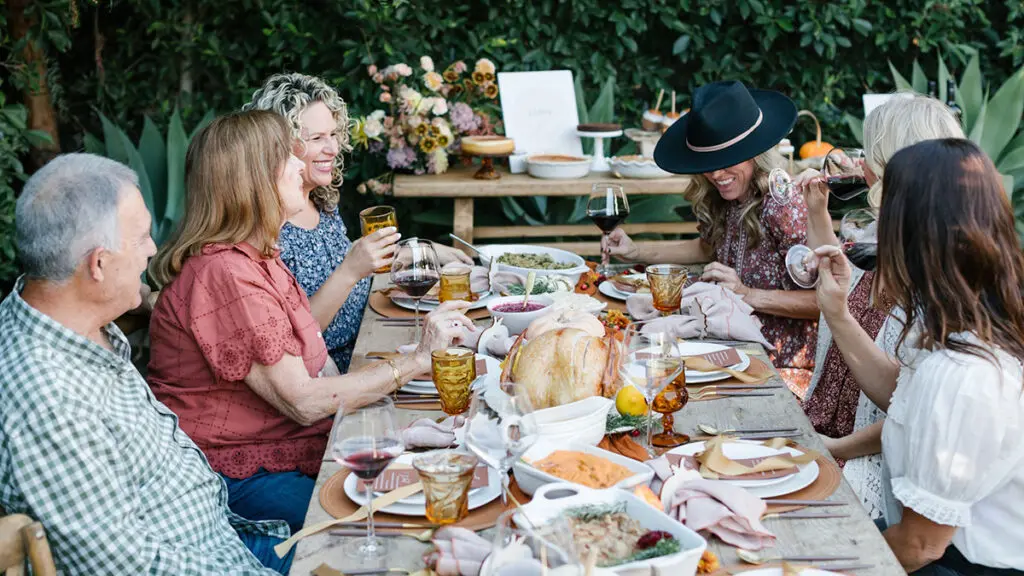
pixel 872 101
pixel 539 111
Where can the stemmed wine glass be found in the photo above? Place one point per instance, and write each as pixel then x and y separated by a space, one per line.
pixel 607 207
pixel 858 235
pixel 500 427
pixel 651 360
pixel 415 270
pixel 843 170
pixel 365 442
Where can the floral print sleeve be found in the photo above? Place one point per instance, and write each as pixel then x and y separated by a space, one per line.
pixel 312 256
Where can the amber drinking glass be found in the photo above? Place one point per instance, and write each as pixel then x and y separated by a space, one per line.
pixel 453 371
pixel 666 282
pixel 446 476
pixel 455 285
pixel 668 402
pixel 375 218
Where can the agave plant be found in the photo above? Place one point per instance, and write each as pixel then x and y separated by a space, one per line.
pixel 994 123
pixel 159 162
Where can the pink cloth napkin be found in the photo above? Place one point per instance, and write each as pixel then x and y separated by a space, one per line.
pixel 706 311
pixel 426 433
pixel 712 506
pixel 459 552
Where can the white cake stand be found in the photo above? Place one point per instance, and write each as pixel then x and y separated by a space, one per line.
pixel 645 140
pixel 599 162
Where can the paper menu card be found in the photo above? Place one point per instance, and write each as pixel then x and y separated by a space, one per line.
pixel 399 475
pixel 539 111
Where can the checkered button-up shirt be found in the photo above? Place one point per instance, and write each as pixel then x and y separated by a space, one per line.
pixel 87 450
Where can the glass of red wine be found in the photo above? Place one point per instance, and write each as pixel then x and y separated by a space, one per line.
pixel 415 270
pixel 365 442
pixel 844 173
pixel 858 236
pixel 607 207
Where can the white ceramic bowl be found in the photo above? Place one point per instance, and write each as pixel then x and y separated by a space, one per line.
pixel 637 167
pixel 546 166
pixel 517 322
pixel 583 421
pixel 553 499
pixel 487 253
pixel 530 479
pixel 581 409
pixel 589 432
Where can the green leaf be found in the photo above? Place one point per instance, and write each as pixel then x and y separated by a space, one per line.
pixel 899 80
pixel 862 26
pixel 920 81
pixel 1008 186
pixel 154 157
pixel 856 126
pixel 970 94
pixel 654 208
pixel 38 138
pixel 177 146
pixel 93 145
pixel 202 124
pixel 944 76
pixel 1005 107
pixel 681 44
pixel 1013 157
pixel 115 141
pixel 603 109
pixel 581 103
pixel 978 130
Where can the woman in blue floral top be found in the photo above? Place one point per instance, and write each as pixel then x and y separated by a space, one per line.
pixel 334 271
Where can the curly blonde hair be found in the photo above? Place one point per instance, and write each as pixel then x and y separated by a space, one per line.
pixel 709 207
pixel 289 95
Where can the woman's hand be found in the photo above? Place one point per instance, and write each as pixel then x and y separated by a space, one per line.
pixel 443 328
pixel 834 274
pixel 725 277
pixel 812 185
pixel 371 252
pixel 447 255
pixel 619 245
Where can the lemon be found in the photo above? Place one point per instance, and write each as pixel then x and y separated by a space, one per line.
pixel 630 402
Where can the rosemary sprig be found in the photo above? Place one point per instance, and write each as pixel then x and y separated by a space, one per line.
pixel 616 421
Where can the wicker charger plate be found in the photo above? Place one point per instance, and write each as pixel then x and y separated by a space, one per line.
pixel 829 477
pixel 337 504
pixel 383 305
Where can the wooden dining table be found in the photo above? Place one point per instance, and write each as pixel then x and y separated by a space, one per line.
pixel 854 535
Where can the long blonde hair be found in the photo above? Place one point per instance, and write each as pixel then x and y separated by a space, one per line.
pixel 290 95
pixel 904 120
pixel 709 207
pixel 231 171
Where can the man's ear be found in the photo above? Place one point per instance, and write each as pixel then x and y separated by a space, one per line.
pixel 97 261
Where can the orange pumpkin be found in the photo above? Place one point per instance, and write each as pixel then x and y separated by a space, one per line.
pixel 815 148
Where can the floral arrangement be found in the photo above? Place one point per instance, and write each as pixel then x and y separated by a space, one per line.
pixel 427 114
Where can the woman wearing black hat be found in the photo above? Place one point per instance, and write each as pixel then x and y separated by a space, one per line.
pixel 727 141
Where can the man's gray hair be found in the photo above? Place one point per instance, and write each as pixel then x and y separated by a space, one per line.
pixel 68 209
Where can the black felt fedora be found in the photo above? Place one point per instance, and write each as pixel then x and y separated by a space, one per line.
pixel 727 124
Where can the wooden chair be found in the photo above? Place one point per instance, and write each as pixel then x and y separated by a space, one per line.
pixel 22 537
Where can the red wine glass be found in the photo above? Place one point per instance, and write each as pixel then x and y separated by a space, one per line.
pixel 858 239
pixel 844 173
pixel 365 442
pixel 415 270
pixel 607 207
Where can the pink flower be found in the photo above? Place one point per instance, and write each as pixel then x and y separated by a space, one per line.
pixel 372 69
pixel 459 67
pixel 403 69
pixel 385 97
pixel 427 63
pixel 378 77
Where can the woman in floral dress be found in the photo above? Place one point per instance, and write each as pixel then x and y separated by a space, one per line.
pixel 332 270
pixel 727 142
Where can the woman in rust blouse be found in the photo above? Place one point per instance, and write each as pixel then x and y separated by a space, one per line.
pixel 236 353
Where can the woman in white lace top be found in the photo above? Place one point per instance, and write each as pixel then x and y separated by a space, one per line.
pixel 954 435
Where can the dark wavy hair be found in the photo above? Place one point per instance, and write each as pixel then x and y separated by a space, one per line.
pixel 949 254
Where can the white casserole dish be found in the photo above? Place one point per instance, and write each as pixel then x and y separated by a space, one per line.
pixel 638 168
pixel 530 479
pixel 552 500
pixel 490 252
pixel 544 166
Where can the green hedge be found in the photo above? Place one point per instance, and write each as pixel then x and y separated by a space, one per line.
pixel 203 54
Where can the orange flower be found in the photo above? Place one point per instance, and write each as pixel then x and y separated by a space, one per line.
pixel 491 91
pixel 428 145
pixel 479 77
pixel 450 75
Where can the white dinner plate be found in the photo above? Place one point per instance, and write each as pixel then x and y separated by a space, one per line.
pixel 427 386
pixel 415 505
pixel 807 473
pixel 425 306
pixel 609 290
pixel 778 572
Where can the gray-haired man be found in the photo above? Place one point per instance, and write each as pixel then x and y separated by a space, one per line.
pixel 84 446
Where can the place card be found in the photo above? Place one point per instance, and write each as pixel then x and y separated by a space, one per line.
pixel 691 463
pixel 724 358
pixel 401 475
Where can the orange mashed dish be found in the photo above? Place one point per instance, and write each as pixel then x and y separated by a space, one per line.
pixel 581 468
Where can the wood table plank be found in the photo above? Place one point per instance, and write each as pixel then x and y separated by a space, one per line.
pixel 855 535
